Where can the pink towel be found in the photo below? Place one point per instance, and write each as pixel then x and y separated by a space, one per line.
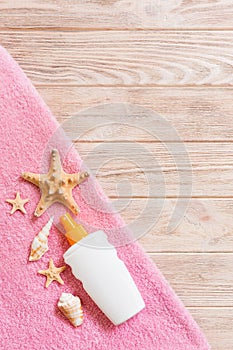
pixel 29 316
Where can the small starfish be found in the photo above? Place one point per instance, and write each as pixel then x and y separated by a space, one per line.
pixel 52 273
pixel 17 203
pixel 56 185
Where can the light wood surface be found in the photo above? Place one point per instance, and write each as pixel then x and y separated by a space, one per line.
pixel 175 59
pixel 217 323
pixel 129 58
pixel 116 14
pixel 210 163
pixel 206 226
pixel 209 280
pixel 197 114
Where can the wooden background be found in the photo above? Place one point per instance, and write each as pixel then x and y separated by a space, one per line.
pixel 176 57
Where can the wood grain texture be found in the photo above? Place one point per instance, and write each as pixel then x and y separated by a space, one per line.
pixel 126 14
pixel 217 325
pixel 131 169
pixel 205 226
pixel 124 58
pixel 199 279
pixel 197 114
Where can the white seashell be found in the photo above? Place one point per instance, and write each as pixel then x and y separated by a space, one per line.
pixel 40 242
pixel 70 306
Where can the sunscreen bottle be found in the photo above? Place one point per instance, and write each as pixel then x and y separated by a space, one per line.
pixel 104 276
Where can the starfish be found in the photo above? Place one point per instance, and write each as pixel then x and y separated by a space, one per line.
pixel 56 185
pixel 52 273
pixel 17 203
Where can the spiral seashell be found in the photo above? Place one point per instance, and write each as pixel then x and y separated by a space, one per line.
pixel 40 242
pixel 70 306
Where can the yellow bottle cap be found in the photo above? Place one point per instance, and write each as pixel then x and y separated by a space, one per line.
pixel 74 231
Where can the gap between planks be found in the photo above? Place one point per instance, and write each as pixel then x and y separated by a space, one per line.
pixel 108 29
pixel 156 141
pixel 133 86
pixel 152 253
pixel 209 307
pixel 206 197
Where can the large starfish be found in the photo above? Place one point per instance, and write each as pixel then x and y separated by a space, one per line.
pixel 56 185
pixel 52 273
pixel 17 203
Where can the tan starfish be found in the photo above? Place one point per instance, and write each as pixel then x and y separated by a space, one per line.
pixel 56 186
pixel 52 273
pixel 17 203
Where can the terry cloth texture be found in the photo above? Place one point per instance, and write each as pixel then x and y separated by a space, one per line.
pixel 30 318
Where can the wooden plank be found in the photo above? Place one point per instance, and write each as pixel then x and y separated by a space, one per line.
pixel 162 58
pixel 216 323
pixel 131 169
pixel 116 14
pixel 205 226
pixel 197 114
pixel 199 279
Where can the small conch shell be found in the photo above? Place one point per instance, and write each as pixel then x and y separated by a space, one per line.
pixel 40 242
pixel 70 306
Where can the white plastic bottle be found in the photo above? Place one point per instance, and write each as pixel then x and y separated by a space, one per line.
pixel 105 278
